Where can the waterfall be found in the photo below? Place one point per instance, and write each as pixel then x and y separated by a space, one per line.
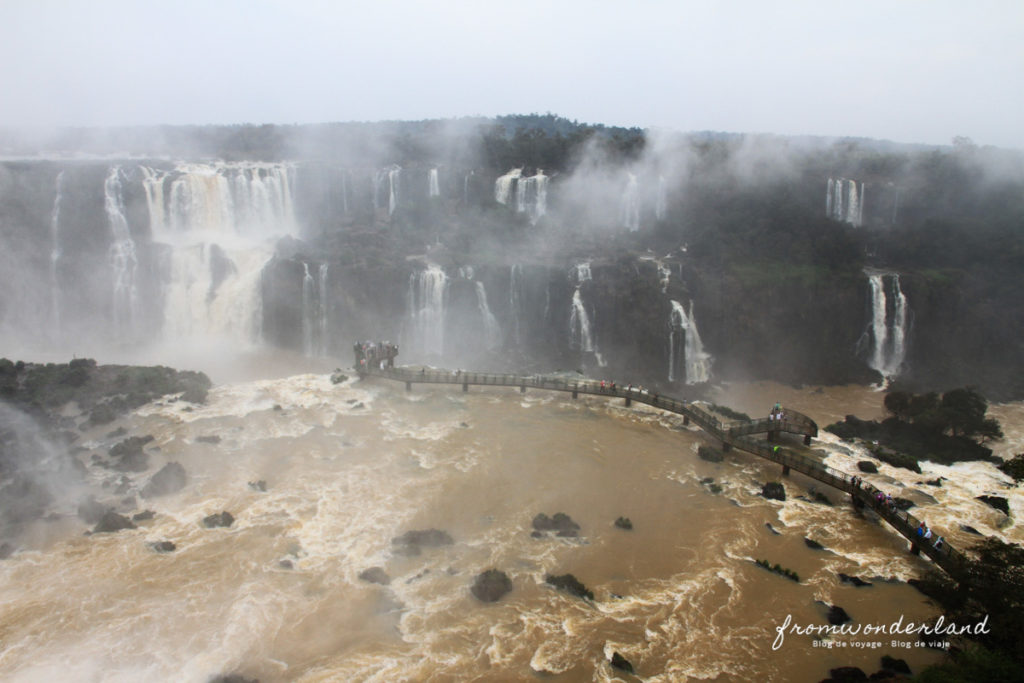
pixel 465 188
pixel 665 275
pixel 308 312
pixel 392 175
pixel 504 185
pixel 435 186
pixel 661 200
pixel 322 304
pixel 853 206
pixel 697 361
pixel 492 331
pixel 887 332
pixel 843 201
pixel 829 198
pixel 631 205
pixel 123 261
pixel 426 302
pixel 219 222
pixel 515 274
pixel 581 273
pixel 579 324
pixel 859 218
pixel 55 254
pixel 532 195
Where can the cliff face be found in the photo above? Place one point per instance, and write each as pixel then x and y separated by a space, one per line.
pixel 724 274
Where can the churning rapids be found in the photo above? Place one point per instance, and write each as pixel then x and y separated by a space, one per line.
pixel 350 466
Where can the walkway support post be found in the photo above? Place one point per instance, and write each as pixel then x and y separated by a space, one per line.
pixel 408 386
pixel 522 388
pixel 629 401
pixel 465 386
pixel 785 470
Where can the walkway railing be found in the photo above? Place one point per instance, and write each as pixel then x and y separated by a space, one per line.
pixel 736 435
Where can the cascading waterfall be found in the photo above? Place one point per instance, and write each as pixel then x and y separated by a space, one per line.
pixel 665 275
pixel 220 222
pixel 123 260
pixel 465 188
pixel 428 291
pixel 844 202
pixel 515 275
pixel 504 185
pixel 580 336
pixel 55 254
pixel 322 306
pixel 492 331
pixel 631 204
pixel 391 175
pixel 888 332
pixel 435 186
pixel 696 360
pixel 661 200
pixel 308 311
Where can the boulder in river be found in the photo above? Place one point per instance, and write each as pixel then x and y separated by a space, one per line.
pixel 621 663
pixel 867 467
pixel 375 575
pixel 570 584
pixel 111 522
pixel 220 519
pixel 491 585
pixel 412 542
pixel 774 490
pixel 998 502
pixel 169 479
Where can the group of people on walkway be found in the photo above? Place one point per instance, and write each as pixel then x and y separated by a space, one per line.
pixel 370 354
pixel 885 501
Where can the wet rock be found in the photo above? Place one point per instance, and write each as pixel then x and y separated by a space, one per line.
pixel 112 522
pixel 90 511
pixel 813 545
pixel 568 533
pixel 221 519
pixel 170 479
pixel 559 522
pixel 234 678
pixel 277 408
pixel 412 542
pixel 536 534
pixel 710 454
pixel 375 575
pixel 212 439
pixel 260 485
pixel 772 529
pixel 774 490
pixel 128 455
pixel 867 467
pixel 998 502
pixel 286 564
pixel 847 674
pixel 903 503
pixel 123 486
pixel 898 666
pixel 837 615
pixel 970 529
pixel 933 482
pixel 570 584
pixel 621 663
pixel 707 480
pixel 624 523
pixel 117 433
pixel 358 405
pixel 143 516
pixel 163 547
pixel 491 586
pixel 337 377
pixel 417 577
pixel 819 497
pixel 855 580
pixel 6 550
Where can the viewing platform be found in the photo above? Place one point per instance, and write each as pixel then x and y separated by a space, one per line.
pixel 376 359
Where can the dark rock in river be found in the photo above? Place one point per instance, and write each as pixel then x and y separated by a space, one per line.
pixel 774 490
pixel 375 575
pixel 411 542
pixel 491 585
pixel 772 529
pixel 170 479
pixel 260 486
pixel 90 511
pixel 813 545
pixel 111 522
pixel 560 522
pixel 143 516
pixel 569 584
pixel 6 550
pixel 621 663
pixel 710 454
pixel 129 456
pixel 212 439
pixel 898 666
pixel 222 519
pixel 970 529
pixel 846 674
pixel 867 467
pixel 837 615
pixel 930 482
pixel 819 497
pixel 998 502
pixel 337 377
pixel 163 547
pixel 624 523
pixel 902 503
pixel 855 580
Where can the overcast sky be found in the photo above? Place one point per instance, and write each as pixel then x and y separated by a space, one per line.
pixel 904 70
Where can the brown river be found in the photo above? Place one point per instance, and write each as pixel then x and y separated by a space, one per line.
pixel 348 467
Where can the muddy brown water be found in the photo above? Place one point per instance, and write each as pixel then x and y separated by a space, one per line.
pixel 348 467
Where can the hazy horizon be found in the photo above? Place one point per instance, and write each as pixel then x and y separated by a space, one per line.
pixel 912 72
